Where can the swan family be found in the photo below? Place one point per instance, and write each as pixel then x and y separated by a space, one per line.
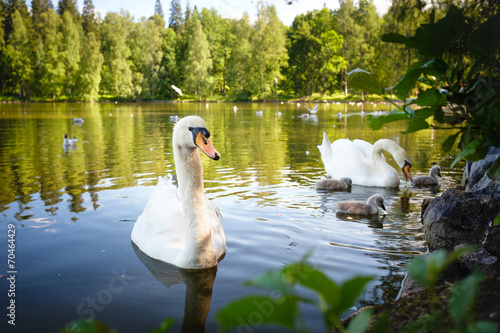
pixel 363 162
pixel 181 227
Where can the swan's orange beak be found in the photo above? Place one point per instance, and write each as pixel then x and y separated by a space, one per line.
pixel 406 171
pixel 206 146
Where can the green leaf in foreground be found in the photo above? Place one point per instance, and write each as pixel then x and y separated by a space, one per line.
pixel 473 152
pixel 351 290
pixel 462 296
pixel 360 323
pixel 258 310
pixel 377 122
pixel 272 280
pixel 364 80
pixel 164 326
pixel 416 125
pixel 426 270
pixel 393 37
pixel 494 170
pixel 431 97
pixel 483 327
pixel 449 142
pixel 87 326
pixel 314 279
pixel 496 221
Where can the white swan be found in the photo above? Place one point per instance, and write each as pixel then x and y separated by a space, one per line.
pixel 370 207
pixel 180 226
pixel 364 163
pixel 69 142
pixel 431 179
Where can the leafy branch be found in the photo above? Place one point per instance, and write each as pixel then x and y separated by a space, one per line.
pixel 461 76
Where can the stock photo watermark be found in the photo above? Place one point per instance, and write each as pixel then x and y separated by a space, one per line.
pixel 12 272
pixel 96 303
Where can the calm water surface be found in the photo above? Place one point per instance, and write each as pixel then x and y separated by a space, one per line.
pixel 73 210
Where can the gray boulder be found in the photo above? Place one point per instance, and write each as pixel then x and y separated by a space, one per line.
pixel 466 217
pixel 458 217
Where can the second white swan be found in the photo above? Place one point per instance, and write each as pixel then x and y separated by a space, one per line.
pixel 363 162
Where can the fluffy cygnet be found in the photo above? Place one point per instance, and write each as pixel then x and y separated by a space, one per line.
pixel 431 179
pixel 369 207
pixel 334 184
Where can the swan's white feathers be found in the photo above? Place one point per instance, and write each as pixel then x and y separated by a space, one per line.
pixel 180 226
pixel 361 161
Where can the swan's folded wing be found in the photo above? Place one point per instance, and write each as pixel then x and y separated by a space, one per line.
pixel 325 148
pixel 161 219
pixel 218 235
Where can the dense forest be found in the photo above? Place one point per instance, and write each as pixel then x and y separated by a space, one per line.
pixel 59 53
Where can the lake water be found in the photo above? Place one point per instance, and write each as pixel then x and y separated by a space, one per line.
pixel 73 210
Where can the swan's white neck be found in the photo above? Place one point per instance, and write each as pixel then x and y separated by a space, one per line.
pixel 200 251
pixel 387 171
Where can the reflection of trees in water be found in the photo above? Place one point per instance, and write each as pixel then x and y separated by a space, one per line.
pixel 125 145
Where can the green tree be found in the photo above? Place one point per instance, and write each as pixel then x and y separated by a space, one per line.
pixel 147 53
pixel 403 17
pixel 89 76
pixel 198 63
pixel 168 73
pixel 175 21
pixel 3 58
pixel 18 52
pixel 314 50
pixel 369 22
pixel 346 26
pixel 117 76
pixel 89 19
pixel 330 62
pixel 216 29
pixel 238 64
pixel 9 7
pixel 268 51
pixel 67 5
pixel 37 8
pixel 70 52
pixel 50 70
pixel 159 9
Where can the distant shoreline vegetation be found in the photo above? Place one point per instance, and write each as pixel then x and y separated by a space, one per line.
pixel 63 55
pixel 285 99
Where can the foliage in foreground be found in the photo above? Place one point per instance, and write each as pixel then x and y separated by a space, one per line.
pixel 282 306
pixel 286 286
pixel 426 271
pixel 461 75
pixel 461 72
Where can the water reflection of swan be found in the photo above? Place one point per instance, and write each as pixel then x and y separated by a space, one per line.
pixel 363 162
pixel 180 226
pixel 199 284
